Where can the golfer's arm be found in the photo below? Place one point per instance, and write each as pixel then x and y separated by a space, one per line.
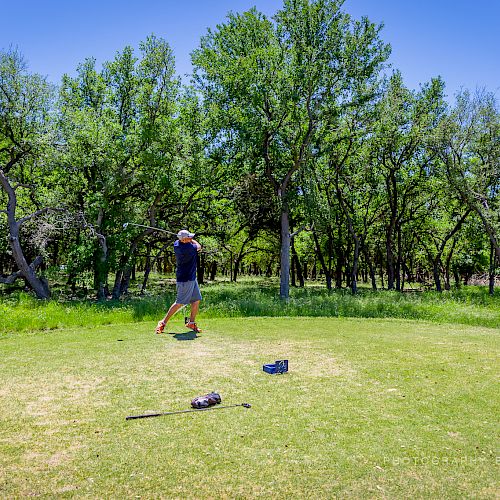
pixel 197 245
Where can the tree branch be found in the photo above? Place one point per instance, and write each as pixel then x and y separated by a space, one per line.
pixel 9 280
pixel 38 213
pixel 20 184
pixel 303 228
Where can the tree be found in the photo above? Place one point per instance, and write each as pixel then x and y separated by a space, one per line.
pixel 469 146
pixel 400 148
pixel 120 138
pixel 275 83
pixel 443 220
pixel 25 135
pixel 350 193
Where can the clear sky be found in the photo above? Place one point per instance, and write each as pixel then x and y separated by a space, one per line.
pixel 456 39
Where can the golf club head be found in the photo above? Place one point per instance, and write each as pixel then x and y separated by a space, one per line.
pixel 125 225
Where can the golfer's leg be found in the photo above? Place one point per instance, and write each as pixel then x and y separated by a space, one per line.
pixel 173 309
pixel 194 311
pixel 195 301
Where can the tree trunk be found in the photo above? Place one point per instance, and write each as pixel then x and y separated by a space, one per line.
pixel 213 271
pixel 236 269
pixel 147 270
pixel 490 230
pixel 101 272
pixel 381 268
pixel 354 271
pixel 155 261
pixel 201 269
pixel 391 229
pixel 353 276
pixel 399 259
pixel 436 272
pixel 447 284
pixel 339 264
pixel 436 262
pixel 390 262
pixel 231 265
pixel 285 254
pixel 298 267
pixel 491 281
pixel 338 270
pixel 115 293
pixel 371 268
pixel 321 259
pixel 28 271
pixel 269 269
pixel 127 274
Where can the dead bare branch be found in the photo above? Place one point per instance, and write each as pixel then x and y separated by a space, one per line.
pixel 38 213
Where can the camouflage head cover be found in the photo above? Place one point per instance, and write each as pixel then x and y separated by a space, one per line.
pixel 205 401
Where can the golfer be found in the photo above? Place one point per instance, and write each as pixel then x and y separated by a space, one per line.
pixel 188 291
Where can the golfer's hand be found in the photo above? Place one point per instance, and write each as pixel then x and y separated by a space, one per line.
pixel 197 245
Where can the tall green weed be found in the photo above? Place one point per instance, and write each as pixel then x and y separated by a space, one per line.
pixel 469 305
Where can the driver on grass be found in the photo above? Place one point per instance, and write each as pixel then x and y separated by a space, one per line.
pixel 188 291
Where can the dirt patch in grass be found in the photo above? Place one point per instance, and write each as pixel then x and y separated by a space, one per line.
pixel 67 488
pixel 304 358
pixel 45 398
pixel 325 366
pixel 61 457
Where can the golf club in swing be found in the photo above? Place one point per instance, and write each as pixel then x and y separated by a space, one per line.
pixel 147 415
pixel 148 227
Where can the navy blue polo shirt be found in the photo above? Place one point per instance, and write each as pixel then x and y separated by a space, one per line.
pixel 186 256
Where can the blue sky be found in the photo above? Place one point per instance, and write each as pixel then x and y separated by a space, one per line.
pixel 458 40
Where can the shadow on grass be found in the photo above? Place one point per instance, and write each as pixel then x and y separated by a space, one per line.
pixel 185 336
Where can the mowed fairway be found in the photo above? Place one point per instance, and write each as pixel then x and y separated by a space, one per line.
pixel 369 408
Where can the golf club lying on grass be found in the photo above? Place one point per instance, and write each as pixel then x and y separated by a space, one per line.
pixel 148 227
pixel 245 405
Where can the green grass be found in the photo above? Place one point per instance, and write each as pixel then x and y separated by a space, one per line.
pixel 469 305
pixel 370 409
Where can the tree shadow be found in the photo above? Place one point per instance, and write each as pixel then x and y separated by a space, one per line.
pixel 185 336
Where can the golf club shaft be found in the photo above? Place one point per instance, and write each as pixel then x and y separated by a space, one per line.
pixel 151 227
pixel 245 405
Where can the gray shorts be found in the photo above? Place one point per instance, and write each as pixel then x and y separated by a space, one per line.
pixel 187 292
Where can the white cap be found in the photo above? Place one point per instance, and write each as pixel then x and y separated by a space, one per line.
pixel 184 233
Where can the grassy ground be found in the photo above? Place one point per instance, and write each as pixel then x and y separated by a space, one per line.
pixel 469 305
pixel 370 408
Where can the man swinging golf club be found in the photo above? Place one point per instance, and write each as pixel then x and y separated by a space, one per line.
pixel 188 291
